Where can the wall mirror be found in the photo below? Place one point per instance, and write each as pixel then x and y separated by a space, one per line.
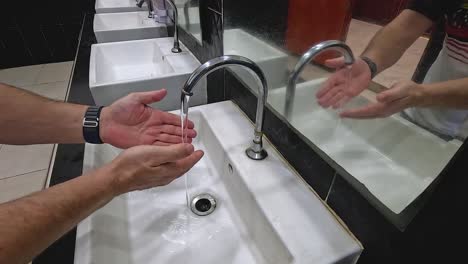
pixel 189 17
pixel 392 160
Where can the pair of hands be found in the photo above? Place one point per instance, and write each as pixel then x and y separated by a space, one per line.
pixel 155 154
pixel 348 82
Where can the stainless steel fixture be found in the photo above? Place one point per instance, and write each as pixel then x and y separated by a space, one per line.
pixel 176 48
pixel 256 151
pixel 308 57
pixel 150 7
pixel 203 204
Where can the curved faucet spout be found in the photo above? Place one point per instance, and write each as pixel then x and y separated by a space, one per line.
pixel 335 45
pixel 256 151
pixel 176 48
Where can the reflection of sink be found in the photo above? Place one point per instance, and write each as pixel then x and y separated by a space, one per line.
pixel 119 68
pixel 395 159
pixel 272 61
pixel 127 26
pixel 265 213
pixel 114 6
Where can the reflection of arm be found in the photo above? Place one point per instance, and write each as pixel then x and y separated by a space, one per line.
pixel 389 44
pixel 450 94
pixel 27 118
pixel 28 225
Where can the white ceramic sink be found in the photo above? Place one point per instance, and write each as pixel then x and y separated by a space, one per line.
pixel 393 158
pixel 115 6
pixel 119 68
pixel 265 212
pixel 271 60
pixel 110 27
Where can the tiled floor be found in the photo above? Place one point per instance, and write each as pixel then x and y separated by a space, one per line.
pixel 24 169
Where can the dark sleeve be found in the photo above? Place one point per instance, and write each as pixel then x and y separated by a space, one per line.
pixel 433 9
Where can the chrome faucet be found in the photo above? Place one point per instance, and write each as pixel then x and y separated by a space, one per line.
pixel 176 48
pixel 256 151
pixel 305 59
pixel 149 3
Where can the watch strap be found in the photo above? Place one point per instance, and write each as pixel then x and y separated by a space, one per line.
pixel 372 66
pixel 91 125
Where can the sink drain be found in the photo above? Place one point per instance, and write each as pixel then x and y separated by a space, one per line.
pixel 203 204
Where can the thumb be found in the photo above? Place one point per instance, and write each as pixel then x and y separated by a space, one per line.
pixel 335 63
pixel 150 97
pixel 395 92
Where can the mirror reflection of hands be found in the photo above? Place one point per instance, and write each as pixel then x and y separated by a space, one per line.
pixel 344 84
pixel 399 97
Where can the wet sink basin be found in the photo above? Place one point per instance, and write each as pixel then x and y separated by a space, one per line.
pixel 119 68
pixel 265 213
pixel 111 27
pixel 115 6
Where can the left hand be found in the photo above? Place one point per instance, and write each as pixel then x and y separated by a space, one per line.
pixel 400 96
pixel 130 122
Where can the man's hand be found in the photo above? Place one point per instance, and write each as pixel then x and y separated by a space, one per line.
pixel 144 167
pixel 130 122
pixel 399 97
pixel 344 84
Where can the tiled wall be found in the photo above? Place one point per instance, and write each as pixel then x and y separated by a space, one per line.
pixel 37 32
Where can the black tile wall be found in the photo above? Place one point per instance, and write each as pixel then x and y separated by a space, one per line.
pixel 40 31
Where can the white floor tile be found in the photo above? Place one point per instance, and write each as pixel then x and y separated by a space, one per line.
pixel 21 185
pixel 15 160
pixel 55 72
pixel 56 90
pixel 20 76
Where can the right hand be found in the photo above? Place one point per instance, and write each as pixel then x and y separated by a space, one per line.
pixel 343 85
pixel 144 167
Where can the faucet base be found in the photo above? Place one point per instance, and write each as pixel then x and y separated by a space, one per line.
pixel 256 155
pixel 176 50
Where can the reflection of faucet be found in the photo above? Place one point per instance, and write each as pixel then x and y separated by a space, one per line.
pixel 176 48
pixel 150 7
pixel 256 151
pixel 305 59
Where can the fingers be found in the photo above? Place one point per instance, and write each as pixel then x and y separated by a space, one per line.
pixel 173 170
pixel 171 139
pixel 335 63
pixel 373 110
pixel 177 131
pixel 395 92
pixel 325 100
pixel 157 155
pixel 150 97
pixel 172 119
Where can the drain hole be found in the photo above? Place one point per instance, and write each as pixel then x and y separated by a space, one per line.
pixel 203 204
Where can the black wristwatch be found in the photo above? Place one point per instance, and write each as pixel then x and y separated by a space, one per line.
pixel 91 125
pixel 372 66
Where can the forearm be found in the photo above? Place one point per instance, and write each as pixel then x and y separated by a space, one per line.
pixel 390 43
pixel 27 118
pixel 28 225
pixel 449 94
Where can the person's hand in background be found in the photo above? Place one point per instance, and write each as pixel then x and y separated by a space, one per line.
pixel 346 83
pixel 399 97
pixel 130 122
